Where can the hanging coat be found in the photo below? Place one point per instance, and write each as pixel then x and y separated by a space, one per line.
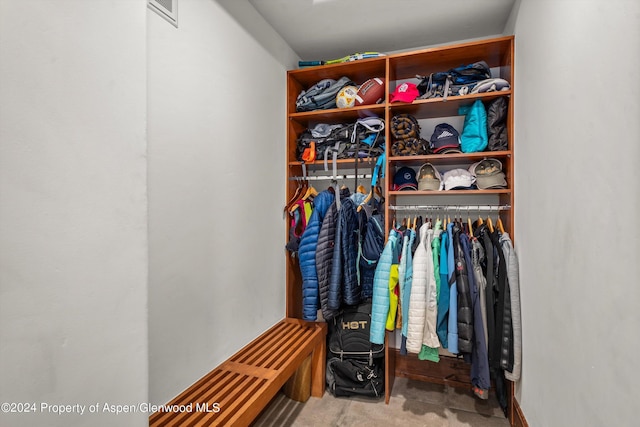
pixel 465 310
pixel 418 296
pixel 514 289
pixel 479 360
pixel 324 259
pixel 482 233
pixel 380 302
pixel 406 280
pixel 307 251
pixel 452 336
pixel 430 336
pixel 343 285
pixel 443 297
pixel 504 330
pixel 477 258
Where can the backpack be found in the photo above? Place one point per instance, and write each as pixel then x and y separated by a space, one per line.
pixel 363 138
pixel 371 247
pixel 349 335
pixel 322 95
pixel 456 81
pixel 497 124
pixel 352 377
pixel 474 132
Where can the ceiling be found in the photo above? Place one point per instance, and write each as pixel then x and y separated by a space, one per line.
pixel 330 29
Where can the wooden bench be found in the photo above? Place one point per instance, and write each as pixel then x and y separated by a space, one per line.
pixel 235 393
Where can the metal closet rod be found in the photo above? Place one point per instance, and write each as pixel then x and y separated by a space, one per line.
pixel 329 177
pixel 462 208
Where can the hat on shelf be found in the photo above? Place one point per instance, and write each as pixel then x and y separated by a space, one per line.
pixel 444 139
pixel 458 179
pixel 488 174
pixel 429 179
pixel 406 92
pixel 450 151
pixel 491 85
pixel 405 179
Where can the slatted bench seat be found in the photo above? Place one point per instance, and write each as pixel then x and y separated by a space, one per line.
pixel 235 393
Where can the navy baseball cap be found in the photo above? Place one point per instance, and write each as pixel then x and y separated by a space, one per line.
pixel 444 137
pixel 405 179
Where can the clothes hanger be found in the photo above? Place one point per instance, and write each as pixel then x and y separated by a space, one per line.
pixel 361 189
pixel 366 200
pixel 296 196
pixel 311 192
pixel 375 190
pixel 499 225
pixel 489 223
pixel 469 224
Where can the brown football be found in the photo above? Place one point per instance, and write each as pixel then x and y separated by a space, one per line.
pixel 370 92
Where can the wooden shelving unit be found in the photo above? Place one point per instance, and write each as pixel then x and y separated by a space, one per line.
pixel 499 55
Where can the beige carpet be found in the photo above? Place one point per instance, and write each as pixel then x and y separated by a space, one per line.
pixel 413 403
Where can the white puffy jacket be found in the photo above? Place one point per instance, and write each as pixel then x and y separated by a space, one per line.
pixel 418 296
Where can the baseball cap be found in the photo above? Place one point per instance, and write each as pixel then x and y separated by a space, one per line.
pixel 458 179
pixel 429 178
pixel 405 179
pixel 488 174
pixel 444 137
pixel 450 151
pixel 406 92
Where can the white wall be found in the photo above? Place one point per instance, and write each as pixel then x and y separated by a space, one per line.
pixel 577 157
pixel 216 127
pixel 73 226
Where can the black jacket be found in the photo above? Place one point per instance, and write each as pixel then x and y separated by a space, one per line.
pixel 465 303
pixel 344 286
pixel 324 258
pixel 497 125
pixel 504 326
pixel 483 235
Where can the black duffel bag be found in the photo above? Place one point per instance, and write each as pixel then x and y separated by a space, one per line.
pixel 353 377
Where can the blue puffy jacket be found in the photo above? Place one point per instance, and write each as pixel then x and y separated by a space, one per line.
pixel 307 255
pixel 381 300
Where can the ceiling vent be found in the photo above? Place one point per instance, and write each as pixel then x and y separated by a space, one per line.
pixel 168 9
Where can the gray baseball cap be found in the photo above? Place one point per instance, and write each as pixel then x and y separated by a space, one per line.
pixel 488 173
pixel 429 178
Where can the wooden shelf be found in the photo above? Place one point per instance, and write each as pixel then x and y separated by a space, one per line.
pixel 449 159
pixel 439 107
pixel 448 192
pixel 497 53
pixel 364 163
pixel 338 115
pixel 358 71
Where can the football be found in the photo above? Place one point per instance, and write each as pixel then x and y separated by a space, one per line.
pixel 370 92
pixel 346 98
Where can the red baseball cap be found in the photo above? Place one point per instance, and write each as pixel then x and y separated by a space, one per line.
pixel 406 92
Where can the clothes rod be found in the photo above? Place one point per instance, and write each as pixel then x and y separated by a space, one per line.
pixel 326 177
pixel 461 208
